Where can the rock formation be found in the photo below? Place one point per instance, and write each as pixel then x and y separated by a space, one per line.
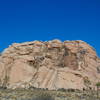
pixel 51 64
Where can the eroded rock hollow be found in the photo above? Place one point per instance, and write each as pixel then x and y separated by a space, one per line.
pixel 51 64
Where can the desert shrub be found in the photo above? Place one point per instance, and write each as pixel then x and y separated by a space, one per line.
pixel 67 90
pixel 43 96
pixel 3 88
pixel 98 84
pixel 98 87
pixel 70 90
pixel 62 89
pixel 44 88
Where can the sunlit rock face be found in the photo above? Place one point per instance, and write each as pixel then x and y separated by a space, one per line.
pixel 51 64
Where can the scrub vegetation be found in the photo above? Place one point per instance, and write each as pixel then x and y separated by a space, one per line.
pixel 45 94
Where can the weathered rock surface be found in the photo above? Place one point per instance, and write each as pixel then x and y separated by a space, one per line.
pixel 52 64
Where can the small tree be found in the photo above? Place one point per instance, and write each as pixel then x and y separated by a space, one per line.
pixel 98 86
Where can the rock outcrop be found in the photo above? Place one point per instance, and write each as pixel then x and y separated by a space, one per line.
pixel 52 64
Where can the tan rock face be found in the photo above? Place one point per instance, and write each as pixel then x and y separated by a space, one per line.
pixel 53 65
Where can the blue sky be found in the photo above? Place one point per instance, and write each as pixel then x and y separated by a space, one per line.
pixel 28 20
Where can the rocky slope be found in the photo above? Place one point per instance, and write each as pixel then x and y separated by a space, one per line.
pixel 52 64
